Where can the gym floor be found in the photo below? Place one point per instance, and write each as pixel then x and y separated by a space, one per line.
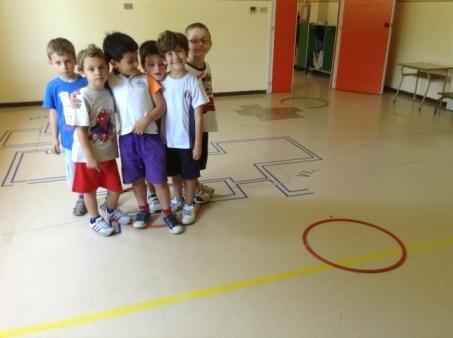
pixel 279 163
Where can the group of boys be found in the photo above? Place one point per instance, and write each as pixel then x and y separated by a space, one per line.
pixel 164 119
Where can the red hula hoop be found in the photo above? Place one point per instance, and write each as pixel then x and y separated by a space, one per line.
pixel 384 269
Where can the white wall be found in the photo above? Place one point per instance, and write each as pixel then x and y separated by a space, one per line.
pixel 422 31
pixel 324 12
pixel 239 58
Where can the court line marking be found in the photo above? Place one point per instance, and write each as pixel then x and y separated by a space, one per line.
pixel 212 291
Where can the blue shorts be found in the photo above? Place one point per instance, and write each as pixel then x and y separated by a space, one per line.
pixel 142 157
pixel 181 162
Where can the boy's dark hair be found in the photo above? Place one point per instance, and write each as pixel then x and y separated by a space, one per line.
pixel 91 51
pixel 168 41
pixel 60 46
pixel 197 25
pixel 117 44
pixel 147 48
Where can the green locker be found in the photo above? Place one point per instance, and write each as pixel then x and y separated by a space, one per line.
pixel 314 38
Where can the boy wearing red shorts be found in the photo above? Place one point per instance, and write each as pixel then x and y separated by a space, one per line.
pixel 95 146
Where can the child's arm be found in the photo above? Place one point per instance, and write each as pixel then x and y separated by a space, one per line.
pixel 153 115
pixel 196 152
pixel 74 99
pixel 54 128
pixel 82 134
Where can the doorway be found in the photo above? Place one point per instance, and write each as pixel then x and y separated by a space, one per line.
pixel 315 37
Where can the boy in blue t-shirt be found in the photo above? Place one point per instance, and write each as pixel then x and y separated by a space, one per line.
pixel 62 59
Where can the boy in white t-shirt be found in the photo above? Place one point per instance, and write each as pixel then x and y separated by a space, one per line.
pixel 95 147
pixel 183 121
pixel 200 44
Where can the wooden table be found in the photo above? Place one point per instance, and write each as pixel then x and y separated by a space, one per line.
pixel 431 72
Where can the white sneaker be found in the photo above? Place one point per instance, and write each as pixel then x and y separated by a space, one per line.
pixel 102 227
pixel 154 204
pixel 206 188
pixel 202 195
pixel 176 204
pixel 119 216
pixel 188 214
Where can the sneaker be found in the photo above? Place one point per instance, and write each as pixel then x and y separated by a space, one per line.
pixel 101 227
pixel 173 225
pixel 176 204
pixel 154 204
pixel 119 216
pixel 206 188
pixel 188 214
pixel 141 220
pixel 201 196
pixel 80 208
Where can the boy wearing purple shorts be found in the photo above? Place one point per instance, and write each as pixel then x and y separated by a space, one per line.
pixel 139 104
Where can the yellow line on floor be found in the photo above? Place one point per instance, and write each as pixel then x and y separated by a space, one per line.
pixel 212 291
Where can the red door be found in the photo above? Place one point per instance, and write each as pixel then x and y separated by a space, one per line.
pixel 362 45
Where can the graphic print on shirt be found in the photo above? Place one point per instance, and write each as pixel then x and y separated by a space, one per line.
pixel 68 111
pixel 104 129
pixel 207 85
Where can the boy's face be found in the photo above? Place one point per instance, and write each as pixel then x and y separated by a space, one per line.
pixel 128 64
pixel 63 65
pixel 176 59
pixel 199 43
pixel 96 72
pixel 155 66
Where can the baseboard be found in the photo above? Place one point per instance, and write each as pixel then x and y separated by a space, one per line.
pixel 39 103
pixel 20 104
pixel 247 92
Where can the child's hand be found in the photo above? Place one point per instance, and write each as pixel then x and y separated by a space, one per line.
pixel 140 126
pixel 196 153
pixel 56 146
pixel 92 163
pixel 74 100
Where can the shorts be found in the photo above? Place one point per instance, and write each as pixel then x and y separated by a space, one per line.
pixel 88 180
pixel 204 150
pixel 142 157
pixel 68 166
pixel 181 162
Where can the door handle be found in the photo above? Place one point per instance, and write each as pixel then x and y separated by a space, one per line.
pixel 387 24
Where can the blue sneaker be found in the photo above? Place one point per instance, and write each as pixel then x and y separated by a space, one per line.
pixel 141 220
pixel 173 225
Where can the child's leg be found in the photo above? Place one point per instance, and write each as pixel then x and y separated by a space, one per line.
pixel 79 208
pixel 113 213
pixel 153 200
pixel 139 189
pixel 177 186
pixel 190 187
pixel 189 211
pixel 112 200
pixel 143 215
pixel 91 204
pixel 97 223
pixel 177 202
pixel 203 192
pixel 163 193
